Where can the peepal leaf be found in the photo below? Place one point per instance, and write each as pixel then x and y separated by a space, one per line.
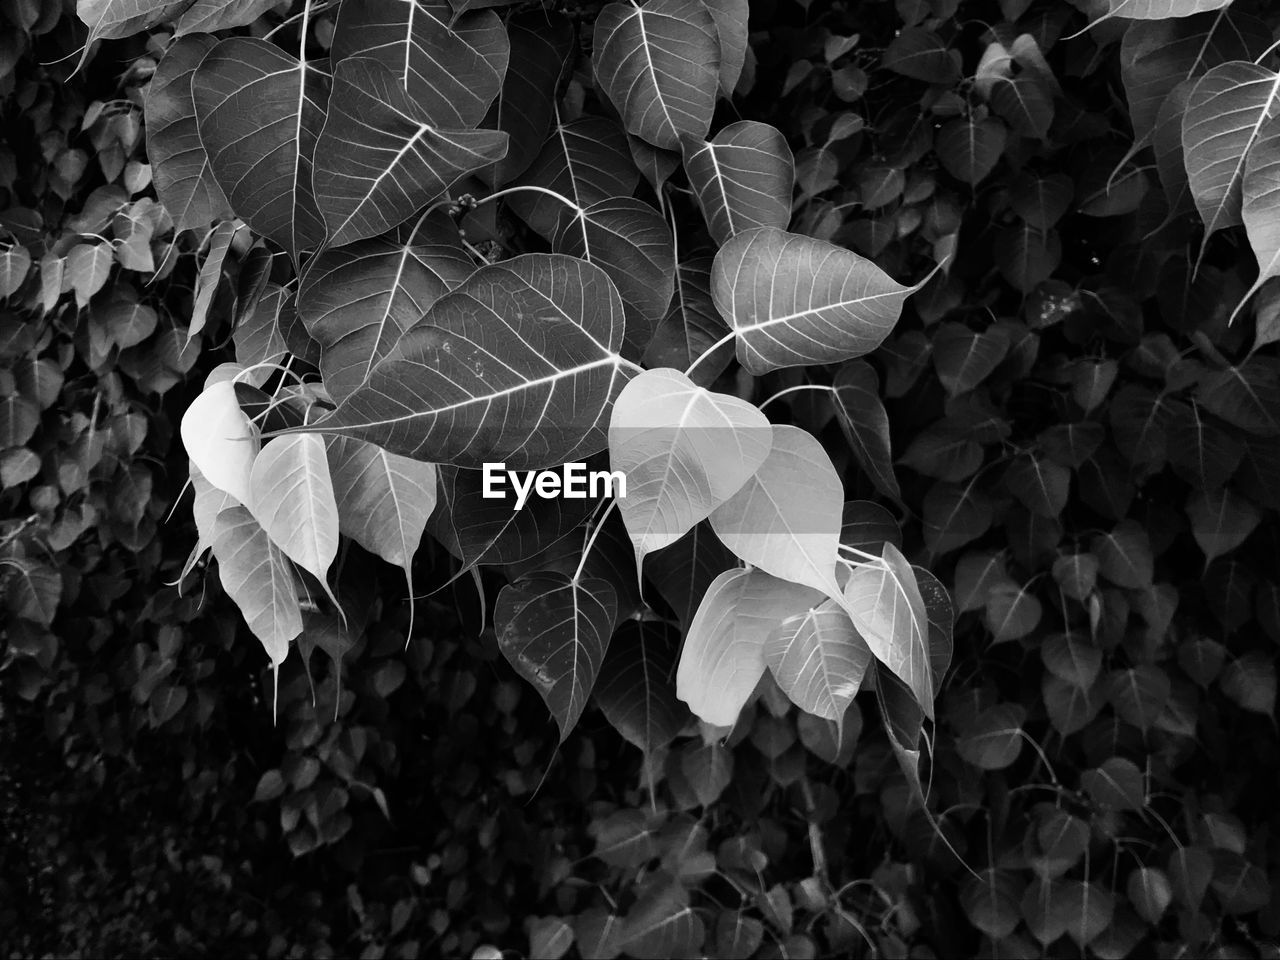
pixel 1161 9
pixel 1260 207
pixel 180 167
pixel 357 300
pixel 659 64
pixel 683 571
pixel 691 326
pixel 684 451
pixel 379 159
pixel 793 300
pixel 786 518
pixel 819 660
pixel 889 612
pixel 115 19
pixel 452 68
pixel 519 365
pixel 865 423
pixel 723 654
pixel 1228 109
pixel 742 178
pixel 210 16
pixel 256 575
pixel 1221 520
pixel 554 631
pixel 220 440
pixel 636 686
pixel 731 26
pixel 259 111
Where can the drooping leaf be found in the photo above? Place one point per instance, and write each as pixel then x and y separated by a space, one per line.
pixel 662 924
pixel 1260 202
pixel 1221 520
pixel 631 242
pixel 1072 658
pixel 888 611
pixel 865 424
pixel 866 525
pixel 659 64
pixel 1124 555
pixel 1226 113
pixel 730 17
pixel 903 724
pixel 1012 611
pixel 683 571
pixel 1041 201
pixel 259 111
pixel 965 357
pixel 793 300
pixel 1246 396
pixel 291 497
pixel 554 631
pixel 920 54
pixel 379 159
pixel 1161 9
pixel 115 19
pixel 220 440
pixel 742 178
pixel 684 450
pixel 819 660
pixel 210 16
pixel 1026 256
pixel 1139 694
pixel 969 149
pixel 256 575
pixel 955 515
pixel 211 274
pixel 993 740
pixel 1250 682
pixel 180 168
pixel 1200 450
pixel 356 301
pixel 1041 484
pixel 636 686
pixel 1116 783
pixel 518 365
pixel 723 654
pixel 785 519
pixel 691 327
pixel 991 901
pixel 451 67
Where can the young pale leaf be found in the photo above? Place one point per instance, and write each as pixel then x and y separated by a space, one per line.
pixel 636 686
pixel 684 451
pixel 786 518
pixel 819 660
pixel 723 654
pixel 793 300
pixel 259 111
pixel 889 612
pixel 659 64
pixel 555 630
pixel 291 496
pixel 451 67
pixel 865 424
pixel 691 327
pixel 180 168
pixel 1228 109
pixel 379 159
pixel 742 178
pixel 220 440
pixel 257 577
pixel 356 301
pixel 520 365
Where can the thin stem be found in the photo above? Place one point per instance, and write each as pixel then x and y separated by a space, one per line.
pixel 871 557
pixel 591 541
pixel 803 386
pixel 529 187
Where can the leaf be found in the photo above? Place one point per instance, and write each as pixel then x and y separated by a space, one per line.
pixel 586 161
pixel 888 611
pixel 291 496
pixel 964 357
pixel 256 576
pixel 549 938
pixel 180 168
pixel 920 54
pixel 1260 203
pixel 1117 783
pixel 1139 694
pixel 659 64
pixel 1042 485
pixel 1124 556
pixel 903 724
pixel 1161 9
pixel 115 19
pixel 220 440
pixel 33 590
pixel 1200 451
pixel 761 278
pixel 867 525
pixel 1221 520
pixel 738 937
pixel 636 686
pixel 259 111
pixel 662 924
pixel 1190 870
pixel 1250 683
pixel 358 300
pixel 1246 396
pixel 819 660
pixel 1012 612
pixel 1026 256
pixel 969 149
pixel 730 17
pixel 451 67
pixel 555 630
pixel 691 326
pixel 993 740
pixel 542 44
pixel 723 654
pixel 1227 111
pixel 88 267
pixel 1072 659
pixel 684 451
pixel 976 573
pixel 379 159
pixel 953 516
pixel 631 242
pixel 865 424
pixel 742 178
pixel 518 365
pixel 210 275
pixel 785 519
pixel 990 901
pixel 683 571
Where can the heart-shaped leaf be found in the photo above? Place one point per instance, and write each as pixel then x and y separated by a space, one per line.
pixel 379 159
pixel 659 64
pixel 683 571
pixel 742 178
pixel 819 660
pixel 994 739
pixel 684 451
pixel 1221 520
pixel 220 440
pixel 793 300
pixel 555 630
pixel 723 654
pixel 636 686
pixel 865 424
pixel 691 327
pixel 731 26
pixel 259 111
pixel 519 365
pixel 256 575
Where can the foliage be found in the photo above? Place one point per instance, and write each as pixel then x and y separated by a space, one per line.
pixel 1070 423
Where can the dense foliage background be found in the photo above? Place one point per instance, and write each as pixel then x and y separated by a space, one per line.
pixel 1085 453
